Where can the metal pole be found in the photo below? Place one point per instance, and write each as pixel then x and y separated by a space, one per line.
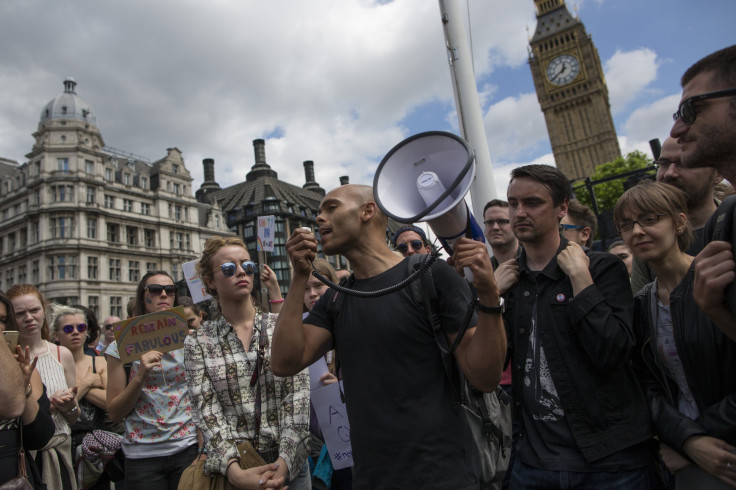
pixel 483 188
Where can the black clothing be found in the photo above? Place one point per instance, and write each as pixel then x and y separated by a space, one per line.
pixel 588 341
pixel 708 358
pixel 406 427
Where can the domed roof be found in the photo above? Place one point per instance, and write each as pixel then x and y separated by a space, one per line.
pixel 68 105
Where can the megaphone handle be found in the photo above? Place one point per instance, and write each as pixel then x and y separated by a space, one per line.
pixel 468 274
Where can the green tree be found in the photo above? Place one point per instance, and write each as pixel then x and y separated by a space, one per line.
pixel 607 193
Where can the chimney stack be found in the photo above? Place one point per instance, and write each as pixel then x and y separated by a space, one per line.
pixel 311 184
pixel 261 168
pixel 209 183
pixel 209 169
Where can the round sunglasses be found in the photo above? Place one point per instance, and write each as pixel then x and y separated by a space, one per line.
pixel 415 244
pixel 230 268
pixel 157 288
pixel 81 328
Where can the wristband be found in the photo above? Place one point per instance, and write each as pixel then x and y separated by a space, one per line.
pixel 272 301
pixel 229 464
pixel 73 410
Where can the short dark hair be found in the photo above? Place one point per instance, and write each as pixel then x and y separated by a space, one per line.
pixel 582 215
pixel 722 63
pixel 495 203
pixel 617 243
pixel 550 177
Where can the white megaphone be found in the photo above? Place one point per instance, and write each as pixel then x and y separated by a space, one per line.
pixel 425 178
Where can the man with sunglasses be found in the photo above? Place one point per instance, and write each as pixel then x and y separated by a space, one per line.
pixel 405 428
pixel 579 224
pixel 705 129
pixel 410 240
pixel 108 335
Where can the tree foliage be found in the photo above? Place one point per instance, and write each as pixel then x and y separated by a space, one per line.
pixel 607 193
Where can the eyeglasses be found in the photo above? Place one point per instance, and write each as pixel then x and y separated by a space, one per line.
pixel 81 328
pixel 229 268
pixel 570 227
pixel 649 219
pixel 665 164
pixel 415 244
pixel 157 288
pixel 500 222
pixel 108 326
pixel 686 111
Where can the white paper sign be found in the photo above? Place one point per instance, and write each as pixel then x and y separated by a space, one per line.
pixel 195 284
pixel 333 420
pixel 266 229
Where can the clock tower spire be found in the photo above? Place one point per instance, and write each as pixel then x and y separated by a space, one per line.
pixel 572 91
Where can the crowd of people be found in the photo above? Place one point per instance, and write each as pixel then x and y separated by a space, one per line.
pixel 618 362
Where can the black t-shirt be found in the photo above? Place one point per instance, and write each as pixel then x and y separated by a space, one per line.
pixel 406 428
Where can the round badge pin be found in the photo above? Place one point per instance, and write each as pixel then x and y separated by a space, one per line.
pixel 560 298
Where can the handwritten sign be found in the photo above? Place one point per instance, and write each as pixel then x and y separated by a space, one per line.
pixel 266 229
pixel 194 283
pixel 162 331
pixel 333 420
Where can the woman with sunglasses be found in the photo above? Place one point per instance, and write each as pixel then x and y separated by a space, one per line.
pixel 686 365
pixel 69 326
pixel 55 364
pixel 235 395
pixel 160 439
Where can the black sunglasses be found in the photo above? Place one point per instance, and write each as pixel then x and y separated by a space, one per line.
pixel 157 288
pixel 108 326
pixel 229 268
pixel 81 328
pixel 415 244
pixel 686 111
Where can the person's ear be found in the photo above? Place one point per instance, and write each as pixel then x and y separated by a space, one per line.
pixel 585 234
pixel 562 211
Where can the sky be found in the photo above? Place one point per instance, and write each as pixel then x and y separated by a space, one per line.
pixel 338 82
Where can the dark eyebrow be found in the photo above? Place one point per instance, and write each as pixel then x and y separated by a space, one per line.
pixel 327 202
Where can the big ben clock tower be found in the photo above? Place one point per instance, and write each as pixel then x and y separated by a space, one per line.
pixel 572 91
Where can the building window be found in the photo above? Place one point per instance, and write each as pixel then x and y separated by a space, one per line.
pixel 90 194
pixel 62 165
pixel 61 227
pixel 9 278
pixel 62 267
pixel 217 222
pixel 34 272
pixel 132 234
pixel 23 234
pixel 11 242
pixel 177 188
pixel 175 167
pixel 113 235
pixel 93 303
pixel 62 193
pixel 116 306
pixel 176 241
pixel 22 274
pixel 92 268
pixel 37 197
pixel 134 271
pixel 145 209
pixel 187 242
pixel 151 267
pixel 149 237
pixel 144 183
pixel 114 269
pixel 126 178
pixel 177 212
pixel 108 174
pixel 89 167
pixel 109 202
pixel 128 205
pixel 17 209
pixel 92 228
pixel 35 232
pixel 175 269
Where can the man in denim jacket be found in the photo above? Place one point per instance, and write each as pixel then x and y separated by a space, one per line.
pixel 584 421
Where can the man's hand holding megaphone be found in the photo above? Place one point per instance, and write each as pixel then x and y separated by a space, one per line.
pixel 474 255
pixel 302 249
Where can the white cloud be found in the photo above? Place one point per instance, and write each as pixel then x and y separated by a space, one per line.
pixel 628 74
pixel 649 122
pixel 513 126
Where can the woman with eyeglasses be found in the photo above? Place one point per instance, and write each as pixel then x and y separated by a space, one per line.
pixel 686 365
pixel 55 364
pixel 235 395
pixel 69 327
pixel 160 439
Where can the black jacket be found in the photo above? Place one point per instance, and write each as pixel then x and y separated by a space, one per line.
pixel 708 359
pixel 588 341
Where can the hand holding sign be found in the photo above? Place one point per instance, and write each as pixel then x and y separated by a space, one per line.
pixel 158 332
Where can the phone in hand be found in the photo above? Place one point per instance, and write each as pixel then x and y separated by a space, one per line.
pixel 11 337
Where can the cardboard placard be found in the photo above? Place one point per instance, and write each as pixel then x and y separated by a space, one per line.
pixel 332 416
pixel 162 331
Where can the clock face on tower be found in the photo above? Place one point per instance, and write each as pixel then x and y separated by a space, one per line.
pixel 563 69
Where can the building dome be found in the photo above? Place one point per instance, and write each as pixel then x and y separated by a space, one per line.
pixel 68 105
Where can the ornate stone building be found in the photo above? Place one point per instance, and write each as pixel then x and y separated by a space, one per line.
pixel 84 222
pixel 572 91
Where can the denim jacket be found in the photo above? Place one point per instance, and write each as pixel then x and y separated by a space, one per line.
pixel 708 358
pixel 588 341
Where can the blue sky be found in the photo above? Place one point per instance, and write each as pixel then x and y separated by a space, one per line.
pixel 339 82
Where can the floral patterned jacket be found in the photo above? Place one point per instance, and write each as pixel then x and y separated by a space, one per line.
pixel 220 376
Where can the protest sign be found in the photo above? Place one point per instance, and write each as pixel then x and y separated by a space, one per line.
pixel 266 229
pixel 196 287
pixel 161 331
pixel 333 420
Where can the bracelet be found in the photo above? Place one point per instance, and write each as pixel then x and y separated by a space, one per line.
pixel 202 450
pixel 73 410
pixel 272 301
pixel 229 464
